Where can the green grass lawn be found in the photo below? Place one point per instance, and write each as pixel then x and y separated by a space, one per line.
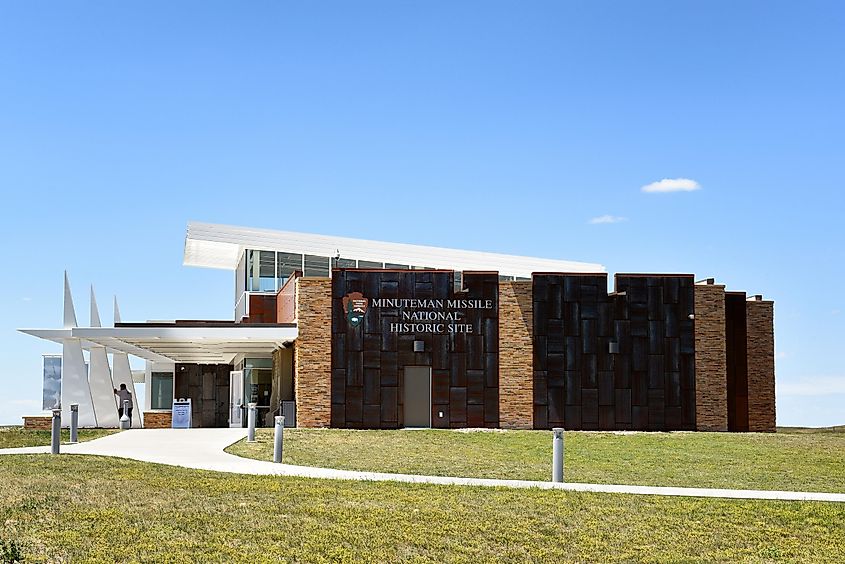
pixel 81 508
pixel 12 437
pixel 790 460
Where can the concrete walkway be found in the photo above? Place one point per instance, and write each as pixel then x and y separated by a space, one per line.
pixel 202 449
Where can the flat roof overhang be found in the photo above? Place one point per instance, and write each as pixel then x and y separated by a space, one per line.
pixel 158 342
pixel 211 245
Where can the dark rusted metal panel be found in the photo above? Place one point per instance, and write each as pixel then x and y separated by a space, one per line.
pixel 647 384
pixel 372 356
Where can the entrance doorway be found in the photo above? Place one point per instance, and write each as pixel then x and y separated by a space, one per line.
pixel 417 404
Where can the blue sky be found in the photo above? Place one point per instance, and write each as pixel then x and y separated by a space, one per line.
pixel 497 126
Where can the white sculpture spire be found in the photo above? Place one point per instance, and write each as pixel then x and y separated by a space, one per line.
pixel 70 313
pixel 95 312
pixel 100 377
pixel 75 388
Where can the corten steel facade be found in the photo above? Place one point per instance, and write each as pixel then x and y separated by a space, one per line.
pixel 647 382
pixel 369 360
pixel 475 340
pixel 631 359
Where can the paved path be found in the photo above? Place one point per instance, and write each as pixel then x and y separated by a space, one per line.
pixel 203 449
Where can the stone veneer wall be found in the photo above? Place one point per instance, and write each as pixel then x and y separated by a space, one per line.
pixel 711 365
pixel 761 366
pixel 158 419
pixel 516 370
pixel 312 352
pixel 39 422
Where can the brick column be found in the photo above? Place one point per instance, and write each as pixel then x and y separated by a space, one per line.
pixel 711 367
pixel 312 352
pixel 761 365
pixel 516 355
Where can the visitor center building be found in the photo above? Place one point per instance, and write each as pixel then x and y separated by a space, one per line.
pixel 339 332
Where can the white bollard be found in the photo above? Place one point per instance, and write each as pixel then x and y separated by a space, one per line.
pixel 279 438
pixel 251 417
pixel 56 432
pixel 557 455
pixel 124 419
pixel 74 423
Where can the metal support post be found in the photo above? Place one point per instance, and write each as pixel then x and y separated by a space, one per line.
pixel 557 455
pixel 279 438
pixel 74 423
pixel 251 417
pixel 56 436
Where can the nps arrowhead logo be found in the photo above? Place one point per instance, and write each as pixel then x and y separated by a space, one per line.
pixel 355 306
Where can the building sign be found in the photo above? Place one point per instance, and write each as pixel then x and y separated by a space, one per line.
pixel 418 315
pixel 355 306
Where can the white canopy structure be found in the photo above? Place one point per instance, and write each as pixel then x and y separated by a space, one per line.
pixel 91 384
pixel 173 342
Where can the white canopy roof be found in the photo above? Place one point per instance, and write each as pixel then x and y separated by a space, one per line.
pixel 177 343
pixel 221 246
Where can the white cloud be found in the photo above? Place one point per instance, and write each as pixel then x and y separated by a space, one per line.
pixel 781 354
pixel 672 185
pixel 813 386
pixel 835 312
pixel 607 219
pixel 26 299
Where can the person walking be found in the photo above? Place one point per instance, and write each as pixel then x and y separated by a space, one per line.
pixel 124 395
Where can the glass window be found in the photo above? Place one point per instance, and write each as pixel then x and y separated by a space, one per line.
pixel 161 390
pixel 505 278
pixel 258 380
pixel 369 264
pixel 252 277
pixel 316 265
pixel 286 264
pixel 267 271
pixel 459 281
pixel 261 271
pixel 344 263
pixel 396 266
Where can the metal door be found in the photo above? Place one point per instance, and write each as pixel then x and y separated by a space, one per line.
pixel 417 397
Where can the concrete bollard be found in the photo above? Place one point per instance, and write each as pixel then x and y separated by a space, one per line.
pixel 279 438
pixel 252 415
pixel 56 436
pixel 124 419
pixel 557 455
pixel 74 423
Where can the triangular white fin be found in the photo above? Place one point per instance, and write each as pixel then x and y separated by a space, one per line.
pixel 69 313
pixel 95 312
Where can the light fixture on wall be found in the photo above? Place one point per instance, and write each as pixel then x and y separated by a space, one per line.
pixel 419 346
pixel 613 347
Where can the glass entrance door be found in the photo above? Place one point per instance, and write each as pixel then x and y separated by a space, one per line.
pixel 236 398
pixel 258 386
